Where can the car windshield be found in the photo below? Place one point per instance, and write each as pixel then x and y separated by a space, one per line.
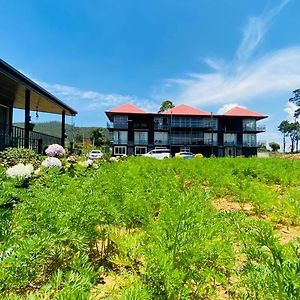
pixel 95 151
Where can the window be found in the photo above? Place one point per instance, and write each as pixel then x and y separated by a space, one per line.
pixel 140 150
pixel 249 140
pixel 229 139
pixel 141 137
pixel 161 123
pixel 249 124
pixel 120 137
pixel 208 138
pixel 120 121
pixel 161 138
pixel 119 150
pixel 185 149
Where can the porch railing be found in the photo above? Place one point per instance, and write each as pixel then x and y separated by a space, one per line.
pixel 16 138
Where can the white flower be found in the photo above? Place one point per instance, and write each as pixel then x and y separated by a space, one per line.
pixel 113 159
pixel 20 171
pixel 89 162
pixel 51 162
pixel 55 150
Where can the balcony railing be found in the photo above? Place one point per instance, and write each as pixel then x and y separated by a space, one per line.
pixel 141 141
pixel 210 142
pixel 250 144
pixel 260 128
pixel 161 126
pixel 161 142
pixel 16 138
pixel 230 143
pixel 120 141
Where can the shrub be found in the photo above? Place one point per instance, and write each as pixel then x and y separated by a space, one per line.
pixel 13 156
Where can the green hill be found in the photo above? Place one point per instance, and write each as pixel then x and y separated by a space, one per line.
pixel 73 132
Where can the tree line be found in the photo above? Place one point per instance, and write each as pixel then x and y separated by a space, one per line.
pixel 291 130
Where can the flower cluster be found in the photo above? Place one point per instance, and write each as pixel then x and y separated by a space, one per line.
pixel 55 150
pixel 51 162
pixel 87 163
pixel 20 171
pixel 71 159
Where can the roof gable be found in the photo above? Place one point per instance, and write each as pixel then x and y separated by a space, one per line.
pixel 127 108
pixel 241 112
pixel 184 109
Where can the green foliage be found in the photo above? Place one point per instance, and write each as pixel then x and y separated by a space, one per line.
pixel 166 104
pixel 154 225
pixel 12 156
pixel 274 146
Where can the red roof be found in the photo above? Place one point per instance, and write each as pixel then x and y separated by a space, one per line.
pixel 183 109
pixel 127 108
pixel 241 112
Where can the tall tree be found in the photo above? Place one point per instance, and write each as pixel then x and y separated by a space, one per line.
pixel 166 104
pixel 296 100
pixel 284 129
pixel 99 138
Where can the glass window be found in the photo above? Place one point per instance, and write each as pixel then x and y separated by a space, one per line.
pixel 119 150
pixel 120 137
pixel 161 138
pixel 140 150
pixel 120 121
pixel 249 124
pixel 208 138
pixel 230 139
pixel 141 137
pixel 249 140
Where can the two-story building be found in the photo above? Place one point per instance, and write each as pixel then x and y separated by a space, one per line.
pixel 184 128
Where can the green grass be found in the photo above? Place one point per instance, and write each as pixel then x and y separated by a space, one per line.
pixel 147 229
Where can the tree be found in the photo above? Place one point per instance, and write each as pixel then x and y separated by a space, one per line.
pixel 284 129
pixel 166 104
pixel 296 100
pixel 99 137
pixel 274 146
pixel 293 131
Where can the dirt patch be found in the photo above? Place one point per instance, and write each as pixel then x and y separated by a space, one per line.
pixel 109 285
pixel 226 205
pixel 288 233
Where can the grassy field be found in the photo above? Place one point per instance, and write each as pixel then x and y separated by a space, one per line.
pixel 146 229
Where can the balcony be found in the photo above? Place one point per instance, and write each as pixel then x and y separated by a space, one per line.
pixel 161 142
pixel 161 126
pixel 210 142
pixel 258 128
pixel 120 141
pixel 230 143
pixel 250 144
pixel 141 141
pixel 16 138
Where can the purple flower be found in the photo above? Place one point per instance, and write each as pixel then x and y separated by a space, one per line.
pixel 55 150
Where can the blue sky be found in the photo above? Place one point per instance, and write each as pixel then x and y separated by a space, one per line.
pixel 95 55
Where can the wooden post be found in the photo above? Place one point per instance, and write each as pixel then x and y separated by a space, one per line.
pixel 63 128
pixel 27 118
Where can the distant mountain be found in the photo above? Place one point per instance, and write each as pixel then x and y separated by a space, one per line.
pixel 73 132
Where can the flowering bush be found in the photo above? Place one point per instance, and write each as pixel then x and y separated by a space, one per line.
pixel 87 163
pixel 51 162
pixel 112 159
pixel 198 155
pixel 20 171
pixel 71 159
pixel 13 156
pixel 55 150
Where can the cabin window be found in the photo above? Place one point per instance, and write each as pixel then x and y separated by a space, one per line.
pixel 119 150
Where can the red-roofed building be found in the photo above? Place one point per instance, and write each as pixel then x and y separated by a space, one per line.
pixel 184 128
pixel 183 109
pixel 238 111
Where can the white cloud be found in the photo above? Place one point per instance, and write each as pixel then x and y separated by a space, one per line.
pixel 227 107
pixel 290 110
pixel 86 100
pixel 243 79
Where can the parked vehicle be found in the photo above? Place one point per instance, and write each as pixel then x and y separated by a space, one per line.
pixel 159 153
pixel 185 155
pixel 95 154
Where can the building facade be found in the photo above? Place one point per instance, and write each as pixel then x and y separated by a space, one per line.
pixel 184 128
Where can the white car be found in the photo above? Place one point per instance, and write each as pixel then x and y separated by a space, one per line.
pixel 95 154
pixel 159 153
